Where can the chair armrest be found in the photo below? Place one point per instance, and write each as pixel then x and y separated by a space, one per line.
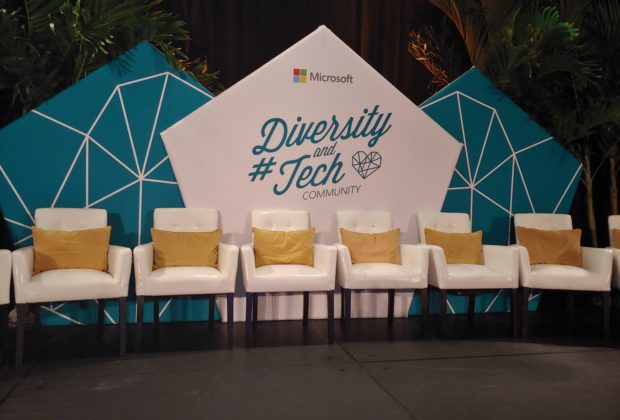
pixel 525 267
pixel 325 257
pixel 227 259
pixel 598 260
pixel 119 265
pixel 6 263
pixel 437 265
pixel 23 264
pixel 344 264
pixel 142 265
pixel 415 256
pixel 503 259
pixel 248 263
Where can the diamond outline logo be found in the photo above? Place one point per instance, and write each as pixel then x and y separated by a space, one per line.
pixel 299 75
pixel 365 164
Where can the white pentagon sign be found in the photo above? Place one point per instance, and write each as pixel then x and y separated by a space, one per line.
pixel 316 128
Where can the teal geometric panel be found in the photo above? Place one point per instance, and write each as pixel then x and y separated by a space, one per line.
pixel 97 144
pixel 509 164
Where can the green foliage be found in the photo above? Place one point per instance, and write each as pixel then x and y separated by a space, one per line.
pixel 558 59
pixel 47 45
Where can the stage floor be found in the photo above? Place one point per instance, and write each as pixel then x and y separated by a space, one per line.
pixel 292 373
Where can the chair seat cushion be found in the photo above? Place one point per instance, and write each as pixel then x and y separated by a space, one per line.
pixel 179 281
pixel 384 276
pixel 564 277
pixel 288 278
pixel 476 276
pixel 72 284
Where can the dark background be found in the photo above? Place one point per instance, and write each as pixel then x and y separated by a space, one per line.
pixel 238 36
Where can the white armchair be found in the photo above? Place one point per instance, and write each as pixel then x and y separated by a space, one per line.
pixel 411 274
pixel 500 270
pixel 614 223
pixel 5 290
pixel 594 276
pixel 185 281
pixel 70 284
pixel 290 277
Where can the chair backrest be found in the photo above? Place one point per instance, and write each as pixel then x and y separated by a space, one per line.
pixel 186 220
pixel 70 219
pixel 614 223
pixel 283 220
pixel 444 222
pixel 544 221
pixel 362 221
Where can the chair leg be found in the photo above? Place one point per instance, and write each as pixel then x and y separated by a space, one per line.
pixel 4 332
pixel 424 310
pixel 254 310
pixel 211 312
pixel 22 313
pixel 606 308
pixel 514 317
pixel 156 311
pixel 122 323
pixel 390 316
pixel 330 316
pixel 230 312
pixel 248 316
pixel 139 322
pixel 341 304
pixel 306 308
pixel 100 316
pixel 471 307
pixel 347 311
pixel 525 300
pixel 443 303
pixel 36 309
pixel 570 310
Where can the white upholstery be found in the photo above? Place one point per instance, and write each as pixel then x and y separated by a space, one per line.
pixel 501 263
pixel 5 276
pixel 186 220
pixel 545 221
pixel 70 284
pixel 280 220
pixel 70 219
pixel 180 281
pixel 597 263
pixel 614 223
pixel 364 221
pixel 410 274
pixel 287 277
pixel 444 222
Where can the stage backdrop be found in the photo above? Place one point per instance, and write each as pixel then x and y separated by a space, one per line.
pixel 509 164
pixel 97 144
pixel 316 128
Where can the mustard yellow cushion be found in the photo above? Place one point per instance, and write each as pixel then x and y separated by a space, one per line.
pixel 279 247
pixel 551 246
pixel 381 247
pixel 185 249
pixel 56 249
pixel 459 248
pixel 615 235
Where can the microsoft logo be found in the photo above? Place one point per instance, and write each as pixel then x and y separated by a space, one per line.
pixel 299 75
pixel 304 76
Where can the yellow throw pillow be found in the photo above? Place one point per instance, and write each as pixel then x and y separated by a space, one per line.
pixel 615 235
pixel 56 249
pixel 459 248
pixel 273 247
pixel 551 246
pixel 381 247
pixel 185 249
